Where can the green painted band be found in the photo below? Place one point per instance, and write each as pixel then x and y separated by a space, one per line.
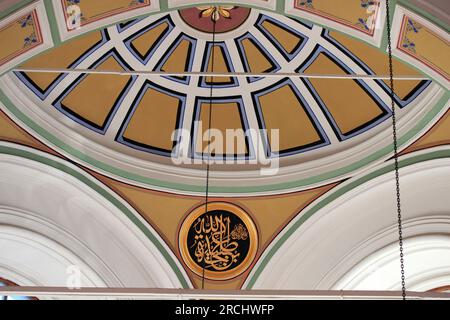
pixel 52 22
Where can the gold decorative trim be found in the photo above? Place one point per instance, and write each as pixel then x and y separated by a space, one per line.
pixel 225 243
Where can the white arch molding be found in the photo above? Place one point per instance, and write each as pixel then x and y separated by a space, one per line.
pixel 427 266
pixel 50 219
pixel 31 259
pixel 351 242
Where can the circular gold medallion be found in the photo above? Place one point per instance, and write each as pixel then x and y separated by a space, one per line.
pixel 222 241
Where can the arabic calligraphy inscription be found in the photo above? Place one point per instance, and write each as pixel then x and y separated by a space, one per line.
pixel 222 241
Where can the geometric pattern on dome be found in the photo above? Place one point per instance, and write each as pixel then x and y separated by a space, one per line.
pixel 265 42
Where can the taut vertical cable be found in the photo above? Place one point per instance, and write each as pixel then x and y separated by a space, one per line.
pixel 394 135
pixel 209 137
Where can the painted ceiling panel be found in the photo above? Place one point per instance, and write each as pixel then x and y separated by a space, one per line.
pixel 434 49
pixel 285 37
pixel 179 58
pixel 154 119
pixel 283 109
pixel 349 116
pixel 225 115
pixel 288 40
pixel 144 43
pixel 220 65
pixel 94 97
pixel 12 132
pixel 220 56
pixel 255 57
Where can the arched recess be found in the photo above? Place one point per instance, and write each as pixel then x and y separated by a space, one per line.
pixel 56 215
pixel 357 220
pixel 32 259
pixel 428 265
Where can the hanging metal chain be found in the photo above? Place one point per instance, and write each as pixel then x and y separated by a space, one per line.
pixel 394 135
pixel 209 137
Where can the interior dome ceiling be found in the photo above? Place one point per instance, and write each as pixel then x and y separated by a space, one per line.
pixel 122 125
